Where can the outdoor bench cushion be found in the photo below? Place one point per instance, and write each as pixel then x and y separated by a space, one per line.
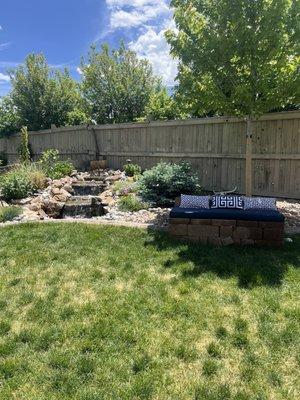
pixel 232 214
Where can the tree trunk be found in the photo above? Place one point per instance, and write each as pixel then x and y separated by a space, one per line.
pixel 248 184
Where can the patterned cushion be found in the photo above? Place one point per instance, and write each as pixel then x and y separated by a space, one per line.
pixel 227 202
pixel 259 203
pixel 188 201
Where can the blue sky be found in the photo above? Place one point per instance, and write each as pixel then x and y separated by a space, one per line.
pixel 64 29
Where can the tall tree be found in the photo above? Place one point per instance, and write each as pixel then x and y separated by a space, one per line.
pixel 117 84
pixel 43 96
pixel 238 57
pixel 9 119
pixel 162 106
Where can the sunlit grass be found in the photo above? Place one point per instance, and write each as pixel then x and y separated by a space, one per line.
pixel 94 313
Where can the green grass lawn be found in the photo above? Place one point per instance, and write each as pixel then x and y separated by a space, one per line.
pixel 97 312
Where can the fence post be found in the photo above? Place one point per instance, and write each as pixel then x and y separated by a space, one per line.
pixel 248 177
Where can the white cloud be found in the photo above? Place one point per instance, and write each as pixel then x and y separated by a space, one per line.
pixel 151 18
pixel 153 46
pixel 128 14
pixel 4 46
pixel 4 78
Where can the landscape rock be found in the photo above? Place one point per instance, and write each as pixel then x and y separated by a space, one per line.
pixel 52 207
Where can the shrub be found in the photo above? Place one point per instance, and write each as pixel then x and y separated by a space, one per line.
pixel 37 177
pixel 16 184
pixel 3 159
pixel 132 169
pixel 164 182
pixel 53 167
pixel 24 151
pixel 132 203
pixel 123 188
pixel 22 181
pixel 9 213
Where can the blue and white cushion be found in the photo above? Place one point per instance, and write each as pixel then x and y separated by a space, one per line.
pixel 259 203
pixel 227 202
pixel 188 201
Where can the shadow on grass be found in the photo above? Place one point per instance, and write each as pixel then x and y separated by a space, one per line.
pixel 252 266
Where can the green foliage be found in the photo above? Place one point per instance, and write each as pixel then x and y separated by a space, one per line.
pixel 43 96
pixel 16 184
pixel 77 117
pixel 9 213
pixel 165 181
pixel 123 188
pixel 53 167
pixel 3 159
pixel 132 169
pixel 9 119
pixel 117 84
pixel 236 57
pixel 162 106
pixel 24 151
pixel 132 203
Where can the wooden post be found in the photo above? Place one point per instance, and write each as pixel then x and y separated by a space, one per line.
pixel 248 179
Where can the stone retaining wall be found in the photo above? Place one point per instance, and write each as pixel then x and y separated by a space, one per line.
pixel 226 232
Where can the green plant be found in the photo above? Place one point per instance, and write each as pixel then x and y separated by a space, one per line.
pixel 16 184
pixel 123 188
pixel 53 167
pixel 132 169
pixel 24 151
pixel 132 203
pixel 36 175
pixel 9 213
pixel 164 182
pixel 3 159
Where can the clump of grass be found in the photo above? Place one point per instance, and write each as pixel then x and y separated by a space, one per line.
pixel 9 213
pixel 221 332
pixel 186 353
pixel 132 203
pixel 141 363
pixel 214 350
pixel 210 367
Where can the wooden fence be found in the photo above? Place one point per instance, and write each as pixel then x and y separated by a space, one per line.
pixel 215 147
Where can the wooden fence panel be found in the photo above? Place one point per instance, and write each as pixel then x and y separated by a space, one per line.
pixel 215 147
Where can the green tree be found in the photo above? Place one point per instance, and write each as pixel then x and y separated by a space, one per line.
pixel 117 85
pixel 238 57
pixel 162 106
pixel 9 118
pixel 43 96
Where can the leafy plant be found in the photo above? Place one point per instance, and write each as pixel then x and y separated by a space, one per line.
pixel 53 167
pixel 123 188
pixel 132 203
pixel 22 181
pixel 164 182
pixel 9 213
pixel 16 184
pixel 24 151
pixel 132 169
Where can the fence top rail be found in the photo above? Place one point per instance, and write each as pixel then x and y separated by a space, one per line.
pixel 286 115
